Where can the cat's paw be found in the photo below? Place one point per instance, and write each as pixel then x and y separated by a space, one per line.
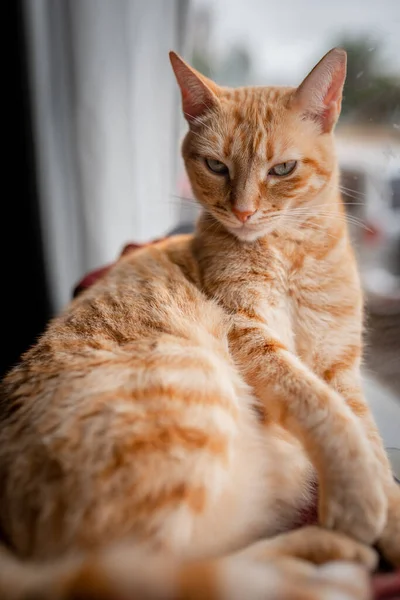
pixel 354 502
pixel 314 545
pixel 389 542
pixel 289 578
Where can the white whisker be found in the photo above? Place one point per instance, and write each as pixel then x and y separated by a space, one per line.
pixel 346 189
pixel 200 122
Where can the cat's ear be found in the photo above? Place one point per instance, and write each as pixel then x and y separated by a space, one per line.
pixel 319 97
pixel 198 92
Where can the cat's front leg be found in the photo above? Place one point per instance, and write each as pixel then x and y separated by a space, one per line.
pixel 347 381
pixel 329 430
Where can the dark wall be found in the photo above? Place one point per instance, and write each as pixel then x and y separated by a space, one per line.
pixel 25 306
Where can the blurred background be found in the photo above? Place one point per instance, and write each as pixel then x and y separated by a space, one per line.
pixel 99 125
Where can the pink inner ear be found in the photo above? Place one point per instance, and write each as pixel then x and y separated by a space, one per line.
pixel 193 104
pixel 188 109
pixel 334 92
pixel 320 95
pixel 333 99
pixel 195 100
pixel 198 93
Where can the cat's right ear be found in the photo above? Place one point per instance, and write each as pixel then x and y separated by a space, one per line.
pixel 198 93
pixel 319 97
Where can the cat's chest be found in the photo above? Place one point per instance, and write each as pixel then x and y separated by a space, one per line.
pixel 295 305
pixel 311 319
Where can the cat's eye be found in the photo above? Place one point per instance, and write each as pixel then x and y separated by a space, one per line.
pixel 283 168
pixel 216 166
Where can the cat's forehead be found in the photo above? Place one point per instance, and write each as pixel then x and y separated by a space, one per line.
pixel 250 122
pixel 254 105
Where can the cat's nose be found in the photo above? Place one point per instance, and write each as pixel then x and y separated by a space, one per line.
pixel 243 215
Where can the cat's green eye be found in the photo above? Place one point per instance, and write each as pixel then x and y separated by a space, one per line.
pixel 216 166
pixel 283 168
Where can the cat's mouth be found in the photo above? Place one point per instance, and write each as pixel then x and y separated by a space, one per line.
pixel 248 232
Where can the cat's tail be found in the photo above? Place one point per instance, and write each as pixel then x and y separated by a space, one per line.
pixel 131 573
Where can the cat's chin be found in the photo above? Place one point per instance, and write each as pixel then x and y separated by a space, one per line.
pixel 246 234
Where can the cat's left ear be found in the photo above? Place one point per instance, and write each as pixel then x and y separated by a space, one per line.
pixel 319 97
pixel 198 92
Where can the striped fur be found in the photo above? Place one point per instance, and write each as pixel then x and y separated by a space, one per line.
pixel 185 405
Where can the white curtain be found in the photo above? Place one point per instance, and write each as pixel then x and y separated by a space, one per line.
pixel 106 121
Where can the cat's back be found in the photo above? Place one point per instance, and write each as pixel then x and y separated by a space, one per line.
pixel 149 294
pixel 147 307
pixel 125 409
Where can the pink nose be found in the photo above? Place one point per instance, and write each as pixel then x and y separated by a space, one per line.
pixel 243 215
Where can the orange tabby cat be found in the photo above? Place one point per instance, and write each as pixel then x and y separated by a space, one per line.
pixel 184 405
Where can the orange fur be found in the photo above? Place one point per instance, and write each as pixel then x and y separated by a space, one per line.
pixel 187 401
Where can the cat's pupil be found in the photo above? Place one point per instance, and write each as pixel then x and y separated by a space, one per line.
pixel 283 168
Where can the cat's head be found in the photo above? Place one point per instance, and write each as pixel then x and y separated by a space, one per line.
pixel 258 157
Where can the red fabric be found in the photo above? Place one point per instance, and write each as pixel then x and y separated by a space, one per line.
pixel 91 278
pixel 385 586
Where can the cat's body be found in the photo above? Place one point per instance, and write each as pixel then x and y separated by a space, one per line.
pixel 163 390
pixel 189 400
